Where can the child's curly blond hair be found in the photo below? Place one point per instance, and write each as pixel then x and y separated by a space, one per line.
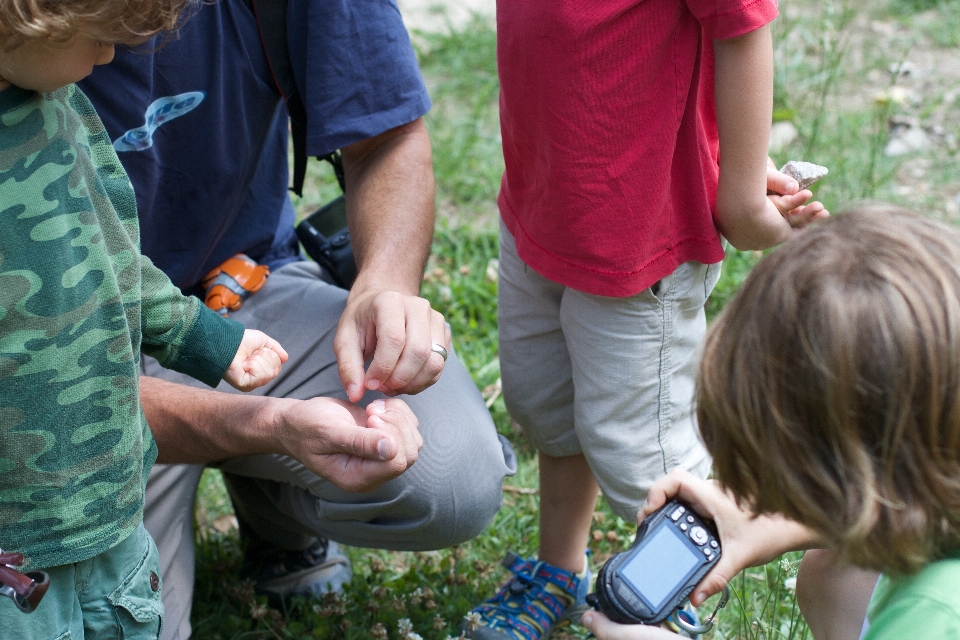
pixel 114 21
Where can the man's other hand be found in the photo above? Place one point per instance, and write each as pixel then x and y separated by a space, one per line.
pixel 358 450
pixel 396 333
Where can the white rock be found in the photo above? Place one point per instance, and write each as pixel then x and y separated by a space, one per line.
pixel 906 140
pixel 901 69
pixel 805 173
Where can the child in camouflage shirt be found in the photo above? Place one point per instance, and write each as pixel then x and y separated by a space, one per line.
pixel 78 303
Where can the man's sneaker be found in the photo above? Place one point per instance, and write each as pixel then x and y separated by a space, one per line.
pixel 280 573
pixel 536 601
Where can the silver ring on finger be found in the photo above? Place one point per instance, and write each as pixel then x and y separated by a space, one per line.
pixel 440 350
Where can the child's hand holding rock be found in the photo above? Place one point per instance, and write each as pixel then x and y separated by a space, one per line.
pixel 257 362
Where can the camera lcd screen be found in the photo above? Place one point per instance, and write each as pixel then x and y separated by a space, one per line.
pixel 660 565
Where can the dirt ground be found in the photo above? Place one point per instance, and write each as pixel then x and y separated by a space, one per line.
pixel 927 124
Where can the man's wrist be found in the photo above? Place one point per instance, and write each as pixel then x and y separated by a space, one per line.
pixel 368 287
pixel 273 427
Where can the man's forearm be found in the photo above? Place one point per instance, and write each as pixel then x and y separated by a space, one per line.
pixel 355 449
pixel 193 425
pixel 390 206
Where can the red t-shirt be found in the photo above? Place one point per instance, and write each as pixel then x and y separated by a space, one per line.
pixel 610 135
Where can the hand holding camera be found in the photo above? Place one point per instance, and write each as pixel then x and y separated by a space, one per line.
pixel 747 540
pixel 674 549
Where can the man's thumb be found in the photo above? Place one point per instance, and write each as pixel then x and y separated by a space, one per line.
pixel 373 444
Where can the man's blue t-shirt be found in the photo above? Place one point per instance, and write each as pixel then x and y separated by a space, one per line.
pixel 202 131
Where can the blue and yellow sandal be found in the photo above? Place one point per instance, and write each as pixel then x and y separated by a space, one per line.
pixel 535 602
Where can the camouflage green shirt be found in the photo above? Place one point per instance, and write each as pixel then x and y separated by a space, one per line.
pixel 77 304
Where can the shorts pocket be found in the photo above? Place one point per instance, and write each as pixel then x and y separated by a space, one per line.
pixel 695 283
pixel 137 603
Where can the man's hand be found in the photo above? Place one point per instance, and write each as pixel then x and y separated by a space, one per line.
pixel 390 211
pixel 354 449
pixel 257 362
pixel 397 332
pixel 747 540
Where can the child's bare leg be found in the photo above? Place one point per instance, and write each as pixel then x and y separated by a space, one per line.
pixel 568 496
pixel 833 597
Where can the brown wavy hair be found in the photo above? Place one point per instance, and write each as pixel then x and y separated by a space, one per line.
pixel 116 21
pixel 829 389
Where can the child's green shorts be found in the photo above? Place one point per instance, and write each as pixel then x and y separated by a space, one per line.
pixel 112 595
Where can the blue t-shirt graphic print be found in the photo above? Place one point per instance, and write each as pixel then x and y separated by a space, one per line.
pixel 203 131
pixel 159 112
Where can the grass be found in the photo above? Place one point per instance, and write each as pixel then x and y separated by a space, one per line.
pixel 833 83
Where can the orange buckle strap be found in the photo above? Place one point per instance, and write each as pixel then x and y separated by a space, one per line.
pixel 232 282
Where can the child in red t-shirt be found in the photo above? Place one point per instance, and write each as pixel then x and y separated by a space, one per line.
pixel 614 114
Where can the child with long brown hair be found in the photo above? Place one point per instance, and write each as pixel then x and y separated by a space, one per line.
pixel 829 397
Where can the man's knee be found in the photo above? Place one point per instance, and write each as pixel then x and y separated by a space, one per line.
pixel 455 487
pixel 459 510
pixel 455 500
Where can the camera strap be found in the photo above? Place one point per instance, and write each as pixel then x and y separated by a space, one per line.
pixel 271 18
pixel 705 626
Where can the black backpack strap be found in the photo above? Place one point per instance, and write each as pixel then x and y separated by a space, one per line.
pixel 272 20
pixel 336 160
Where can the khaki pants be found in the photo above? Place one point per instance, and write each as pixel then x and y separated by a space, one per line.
pixel 447 497
pixel 611 378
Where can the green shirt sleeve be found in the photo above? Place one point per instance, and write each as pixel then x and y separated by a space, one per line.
pixel 179 331
pixel 924 605
pixel 182 333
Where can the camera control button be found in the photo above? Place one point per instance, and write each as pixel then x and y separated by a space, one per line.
pixel 690 519
pixel 683 526
pixel 699 535
pixel 677 513
pixel 714 544
pixel 707 552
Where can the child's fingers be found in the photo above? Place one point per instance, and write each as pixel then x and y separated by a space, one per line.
pixel 780 183
pixel 661 491
pixel 604 629
pixel 253 340
pixel 713 583
pixel 274 346
pixel 787 203
pixel 257 370
pixel 264 363
pixel 802 216
pixel 237 377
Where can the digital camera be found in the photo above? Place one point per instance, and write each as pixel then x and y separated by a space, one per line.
pixel 326 239
pixel 674 549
